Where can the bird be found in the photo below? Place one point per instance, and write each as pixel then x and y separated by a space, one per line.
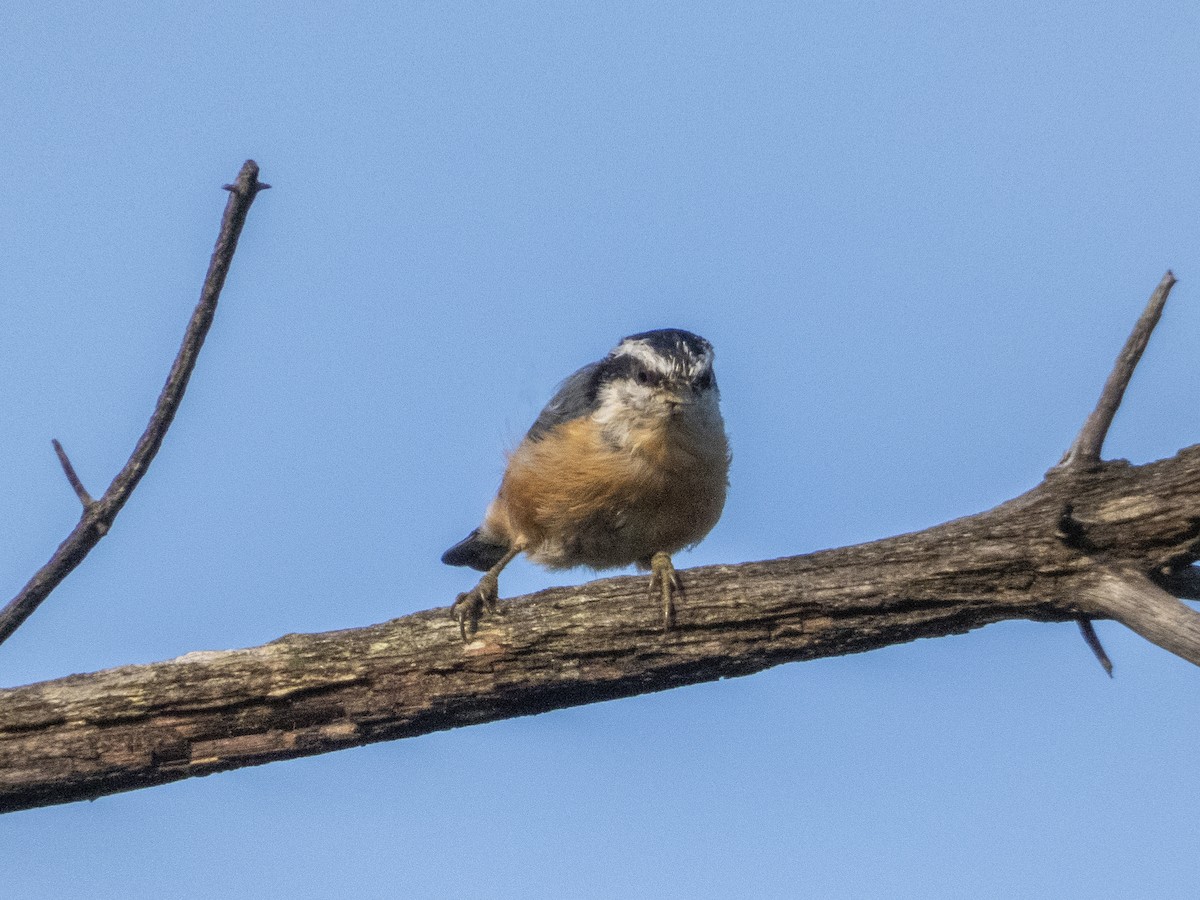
pixel 627 464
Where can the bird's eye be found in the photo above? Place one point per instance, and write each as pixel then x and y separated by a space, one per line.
pixel 643 377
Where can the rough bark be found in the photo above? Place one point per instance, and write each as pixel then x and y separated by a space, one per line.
pixel 1089 541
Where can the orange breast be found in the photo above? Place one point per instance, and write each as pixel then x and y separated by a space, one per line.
pixel 573 498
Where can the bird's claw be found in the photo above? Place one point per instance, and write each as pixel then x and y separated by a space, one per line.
pixel 664 578
pixel 469 606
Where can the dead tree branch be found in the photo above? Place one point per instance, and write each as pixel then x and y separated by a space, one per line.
pixel 88 735
pixel 98 515
pixel 1092 540
pixel 1085 450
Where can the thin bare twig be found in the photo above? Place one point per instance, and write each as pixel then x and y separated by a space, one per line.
pixel 98 515
pixel 1085 451
pixel 69 470
pixel 1088 630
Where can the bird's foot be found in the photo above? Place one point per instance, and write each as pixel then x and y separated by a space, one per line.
pixel 470 605
pixel 664 579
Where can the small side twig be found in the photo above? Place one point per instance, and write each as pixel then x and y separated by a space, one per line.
pixel 69 470
pixel 1085 451
pixel 1088 630
pixel 98 515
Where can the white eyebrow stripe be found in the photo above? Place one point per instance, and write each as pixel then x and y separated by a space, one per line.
pixel 646 355
pixel 664 365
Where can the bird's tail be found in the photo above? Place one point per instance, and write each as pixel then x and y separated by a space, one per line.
pixel 475 551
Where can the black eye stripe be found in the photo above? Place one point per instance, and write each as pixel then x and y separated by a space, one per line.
pixel 646 376
pixel 615 368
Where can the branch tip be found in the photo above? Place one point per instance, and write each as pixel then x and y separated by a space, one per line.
pixel 247 181
pixel 252 188
pixel 1088 630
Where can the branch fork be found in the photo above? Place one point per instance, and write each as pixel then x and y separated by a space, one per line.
pixel 1130 597
pixel 98 515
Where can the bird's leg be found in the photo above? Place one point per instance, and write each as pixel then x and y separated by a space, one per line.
pixel 470 605
pixel 662 576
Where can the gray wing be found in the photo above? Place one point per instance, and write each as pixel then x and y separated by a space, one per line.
pixel 575 397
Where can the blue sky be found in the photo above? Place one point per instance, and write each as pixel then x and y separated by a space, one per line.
pixel 916 234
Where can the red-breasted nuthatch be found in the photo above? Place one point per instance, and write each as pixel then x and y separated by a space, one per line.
pixel 627 463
